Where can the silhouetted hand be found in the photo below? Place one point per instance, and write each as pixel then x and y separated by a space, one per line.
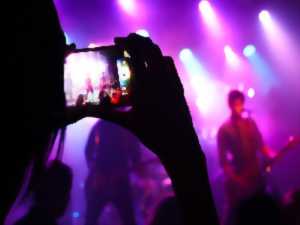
pixel 160 118
pixel 159 115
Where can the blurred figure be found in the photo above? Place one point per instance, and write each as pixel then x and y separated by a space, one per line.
pixel 239 140
pixel 51 196
pixel 167 213
pixel 110 153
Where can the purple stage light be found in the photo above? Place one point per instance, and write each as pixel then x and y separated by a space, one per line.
pixel 265 17
pixel 251 93
pixel 205 7
pixel 210 17
pixel 128 6
pixel 231 57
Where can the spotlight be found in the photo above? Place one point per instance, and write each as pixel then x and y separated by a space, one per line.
pixel 76 214
pixel 204 6
pixel 231 56
pixel 143 33
pixel 249 50
pixel 185 54
pixel 251 92
pixel 264 17
pixel 127 5
pixel 210 17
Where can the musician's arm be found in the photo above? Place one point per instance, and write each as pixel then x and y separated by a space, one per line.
pixel 222 149
pixel 264 149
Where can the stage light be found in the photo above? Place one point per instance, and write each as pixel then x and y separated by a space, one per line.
pixel 251 92
pixel 205 7
pixel 263 71
pixel 209 17
pixel 231 57
pixel 143 33
pixel 192 64
pixel 128 6
pixel 284 48
pixel 265 17
pixel 68 41
pixel 249 50
pixel 75 214
pixel 93 45
pixel 185 54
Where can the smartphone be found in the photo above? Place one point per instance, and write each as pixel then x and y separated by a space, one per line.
pixel 97 76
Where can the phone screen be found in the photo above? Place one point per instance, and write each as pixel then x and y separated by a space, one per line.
pixel 90 77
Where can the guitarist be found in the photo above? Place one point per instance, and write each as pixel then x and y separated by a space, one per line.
pixel 238 141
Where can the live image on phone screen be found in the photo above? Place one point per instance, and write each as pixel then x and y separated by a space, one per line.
pixel 90 79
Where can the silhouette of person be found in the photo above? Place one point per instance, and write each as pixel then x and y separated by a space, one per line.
pixel 51 196
pixel 40 61
pixel 110 152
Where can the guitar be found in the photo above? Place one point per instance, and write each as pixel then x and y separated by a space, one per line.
pixel 293 141
pixel 244 185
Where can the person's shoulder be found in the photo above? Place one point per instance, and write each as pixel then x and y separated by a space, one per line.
pixel 225 126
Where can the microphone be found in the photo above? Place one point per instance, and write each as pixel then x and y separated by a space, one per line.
pixel 246 113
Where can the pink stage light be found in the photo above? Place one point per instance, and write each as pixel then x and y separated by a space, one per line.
pixel 128 6
pixel 251 93
pixel 231 57
pixel 284 49
pixel 265 17
pixel 209 16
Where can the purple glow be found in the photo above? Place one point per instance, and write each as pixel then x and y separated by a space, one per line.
pixel 128 6
pixel 231 57
pixel 167 182
pixel 282 46
pixel 209 16
pixel 76 214
pixel 241 87
pixel 251 93
pixel 265 17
